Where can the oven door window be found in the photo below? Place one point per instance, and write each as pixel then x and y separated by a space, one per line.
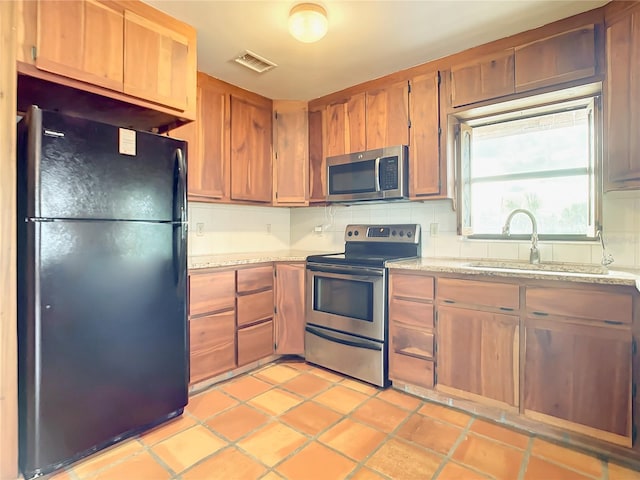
pixel 358 177
pixel 348 298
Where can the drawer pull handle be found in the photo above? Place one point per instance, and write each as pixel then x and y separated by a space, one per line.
pixel 541 314
pixel 506 309
pixel 449 301
pixel 612 322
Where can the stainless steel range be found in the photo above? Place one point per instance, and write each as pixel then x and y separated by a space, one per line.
pixel 346 326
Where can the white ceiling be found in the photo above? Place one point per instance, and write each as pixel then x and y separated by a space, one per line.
pixel 366 39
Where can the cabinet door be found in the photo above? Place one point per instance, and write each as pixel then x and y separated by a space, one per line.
pixel 483 79
pixel 387 116
pixel 212 345
pixel 156 62
pixel 291 153
pixel 622 90
pixel 290 308
pixel 345 126
pixel 478 354
pixel 424 136
pixel 250 151
pixel 558 59
pixel 579 377
pixel 317 161
pixel 81 40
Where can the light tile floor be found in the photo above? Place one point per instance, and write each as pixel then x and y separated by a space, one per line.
pixel 294 421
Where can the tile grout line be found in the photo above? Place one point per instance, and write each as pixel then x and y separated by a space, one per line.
pixel 525 459
pixel 448 457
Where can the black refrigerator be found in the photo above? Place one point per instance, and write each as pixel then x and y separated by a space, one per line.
pixel 102 321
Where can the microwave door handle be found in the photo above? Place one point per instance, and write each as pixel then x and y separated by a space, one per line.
pixel 377 173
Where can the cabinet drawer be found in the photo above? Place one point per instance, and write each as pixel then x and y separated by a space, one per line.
pixel 412 341
pixel 502 296
pixel 255 307
pixel 253 279
pixel 411 313
pixel 411 286
pixel 588 304
pixel 211 345
pixel 211 292
pixel 414 371
pixel 255 342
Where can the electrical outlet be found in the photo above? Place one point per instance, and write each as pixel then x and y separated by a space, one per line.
pixel 317 229
pixel 268 229
pixel 200 229
pixel 433 229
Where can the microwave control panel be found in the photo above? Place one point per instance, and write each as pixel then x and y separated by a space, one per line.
pixel 389 173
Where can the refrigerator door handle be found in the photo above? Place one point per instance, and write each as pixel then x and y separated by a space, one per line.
pixel 180 230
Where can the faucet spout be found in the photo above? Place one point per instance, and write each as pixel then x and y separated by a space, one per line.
pixel 534 254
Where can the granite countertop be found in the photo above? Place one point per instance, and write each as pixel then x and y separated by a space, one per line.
pixel 234 259
pixel 516 269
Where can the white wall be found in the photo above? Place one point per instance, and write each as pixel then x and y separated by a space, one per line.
pixel 237 228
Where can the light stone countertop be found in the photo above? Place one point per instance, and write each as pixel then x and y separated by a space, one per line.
pixel 614 276
pixel 235 259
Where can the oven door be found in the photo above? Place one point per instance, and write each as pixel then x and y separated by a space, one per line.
pixel 347 299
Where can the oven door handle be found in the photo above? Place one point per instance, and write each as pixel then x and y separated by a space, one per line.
pixel 346 270
pixel 350 343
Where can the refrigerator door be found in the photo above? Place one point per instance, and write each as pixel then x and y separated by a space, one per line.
pixel 103 335
pixel 81 169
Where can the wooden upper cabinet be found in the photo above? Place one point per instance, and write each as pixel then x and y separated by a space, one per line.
pixel 317 160
pixel 424 136
pixel 483 79
pixel 621 98
pixel 561 58
pixel 579 377
pixel 208 137
pixel 291 153
pixel 344 126
pixel 387 116
pixel 251 174
pixel 81 40
pixel 290 308
pixel 156 62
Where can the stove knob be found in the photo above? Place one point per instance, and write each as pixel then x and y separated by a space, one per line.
pixel 356 233
pixel 393 233
pixel 402 233
pixel 349 233
pixel 409 234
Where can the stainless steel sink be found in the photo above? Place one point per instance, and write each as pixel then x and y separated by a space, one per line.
pixel 540 267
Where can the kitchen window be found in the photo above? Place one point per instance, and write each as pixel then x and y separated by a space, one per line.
pixel 543 159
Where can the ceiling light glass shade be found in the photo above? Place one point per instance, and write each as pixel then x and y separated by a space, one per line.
pixel 308 22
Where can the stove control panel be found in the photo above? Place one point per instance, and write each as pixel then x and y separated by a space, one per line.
pixel 400 233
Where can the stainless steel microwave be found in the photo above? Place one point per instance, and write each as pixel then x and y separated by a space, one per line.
pixel 380 174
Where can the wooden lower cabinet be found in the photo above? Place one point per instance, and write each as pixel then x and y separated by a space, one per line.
pixel 255 342
pixel 212 345
pixel 578 377
pixel 478 354
pixel 411 334
pixel 290 312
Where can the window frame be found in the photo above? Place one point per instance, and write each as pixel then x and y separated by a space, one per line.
pixel 462 121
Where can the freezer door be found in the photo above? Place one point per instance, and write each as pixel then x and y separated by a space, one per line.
pixel 78 168
pixel 102 335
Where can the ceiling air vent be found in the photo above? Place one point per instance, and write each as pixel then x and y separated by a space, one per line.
pixel 255 62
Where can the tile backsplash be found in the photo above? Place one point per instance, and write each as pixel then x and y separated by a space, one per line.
pixel 238 228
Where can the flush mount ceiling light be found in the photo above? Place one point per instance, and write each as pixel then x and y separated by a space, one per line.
pixel 308 22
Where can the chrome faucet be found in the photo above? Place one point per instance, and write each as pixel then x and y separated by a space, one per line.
pixel 534 255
